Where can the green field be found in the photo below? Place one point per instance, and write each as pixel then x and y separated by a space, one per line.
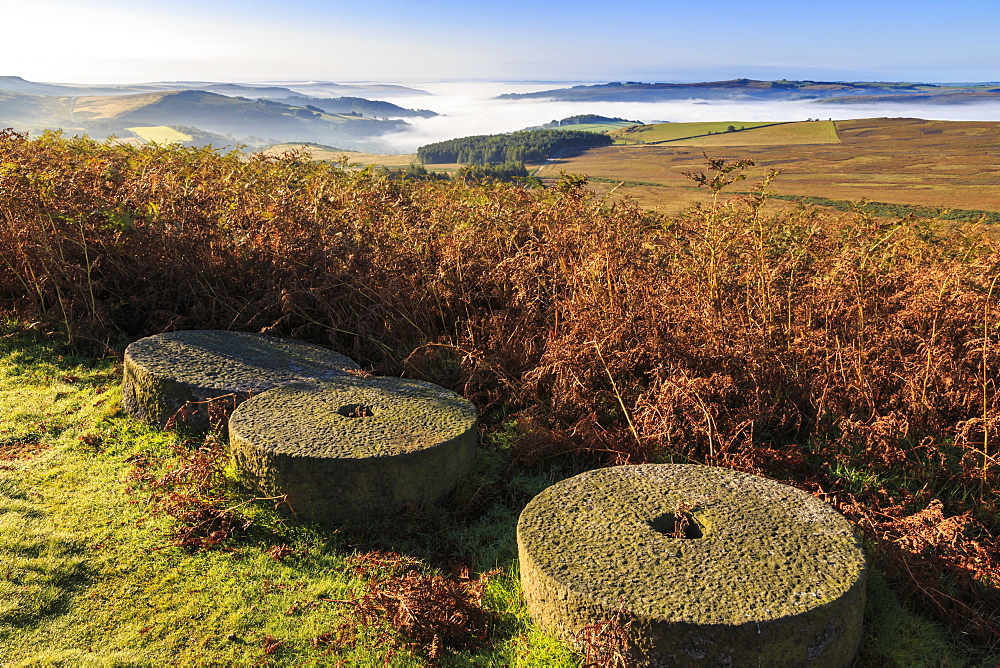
pixel 784 134
pixel 664 132
pixel 161 134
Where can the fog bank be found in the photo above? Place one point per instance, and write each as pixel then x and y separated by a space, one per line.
pixel 468 108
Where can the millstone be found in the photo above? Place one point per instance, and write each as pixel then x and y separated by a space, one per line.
pixel 354 448
pixel 186 375
pixel 763 573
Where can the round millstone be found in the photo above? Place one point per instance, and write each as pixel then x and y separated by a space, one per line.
pixel 763 573
pixel 188 375
pixel 354 448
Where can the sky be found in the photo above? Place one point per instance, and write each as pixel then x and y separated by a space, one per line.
pixel 119 41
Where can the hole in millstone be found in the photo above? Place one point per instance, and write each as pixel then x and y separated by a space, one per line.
pixel 676 525
pixel 356 410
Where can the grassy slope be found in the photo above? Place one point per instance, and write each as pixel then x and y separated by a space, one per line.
pixel 663 132
pixel 91 577
pixel 105 107
pixel 161 134
pixel 785 134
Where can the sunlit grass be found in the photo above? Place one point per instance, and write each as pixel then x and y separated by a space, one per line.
pixel 92 578
pixel 161 134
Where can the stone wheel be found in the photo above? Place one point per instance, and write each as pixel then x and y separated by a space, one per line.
pixel 712 566
pixel 187 375
pixel 354 448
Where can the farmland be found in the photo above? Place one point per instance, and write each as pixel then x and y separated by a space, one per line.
pixel 901 161
pixel 670 132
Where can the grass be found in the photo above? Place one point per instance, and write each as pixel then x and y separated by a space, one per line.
pixel 784 134
pixel 161 134
pixel 669 132
pixel 93 579
pixel 110 106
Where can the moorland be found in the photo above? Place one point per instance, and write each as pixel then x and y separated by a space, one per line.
pixel 938 165
pixel 850 355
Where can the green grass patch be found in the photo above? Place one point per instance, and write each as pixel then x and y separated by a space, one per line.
pixel 732 133
pixel 92 576
pixel 665 132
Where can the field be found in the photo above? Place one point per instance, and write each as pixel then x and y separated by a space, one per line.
pixel 161 134
pixel 900 161
pixel 668 132
pixel 849 356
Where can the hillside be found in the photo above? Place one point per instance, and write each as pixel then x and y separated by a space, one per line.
pixel 751 89
pixel 358 105
pixel 901 161
pixel 240 119
pixel 17 84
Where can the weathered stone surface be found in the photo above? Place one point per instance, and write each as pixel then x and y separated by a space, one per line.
pixel 354 448
pixel 166 372
pixel 777 577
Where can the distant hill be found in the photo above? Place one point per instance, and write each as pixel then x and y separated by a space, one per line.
pixel 238 119
pixel 233 116
pixel 25 87
pixel 751 89
pixel 15 84
pixel 360 105
pixel 330 89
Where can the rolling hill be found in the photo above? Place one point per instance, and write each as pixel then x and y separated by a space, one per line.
pixel 238 119
pixel 15 84
pixel 358 105
pixel 751 89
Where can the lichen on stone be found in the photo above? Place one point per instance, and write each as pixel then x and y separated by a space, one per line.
pixel 167 372
pixel 767 555
pixel 353 448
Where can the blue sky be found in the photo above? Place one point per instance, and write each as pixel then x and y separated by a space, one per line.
pixel 423 40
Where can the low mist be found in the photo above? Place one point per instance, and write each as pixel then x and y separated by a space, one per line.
pixel 469 108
